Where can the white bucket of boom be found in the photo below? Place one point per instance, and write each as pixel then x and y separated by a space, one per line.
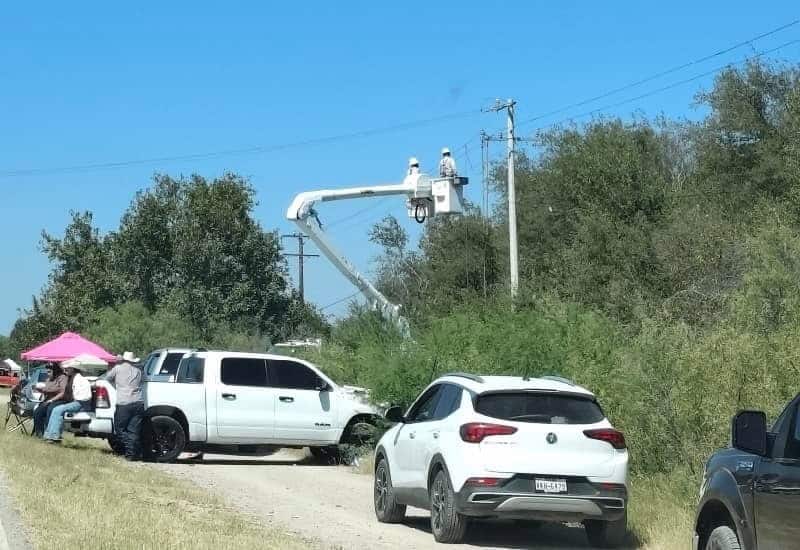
pixel 434 196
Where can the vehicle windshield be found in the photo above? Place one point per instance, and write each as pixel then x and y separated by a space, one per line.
pixel 539 408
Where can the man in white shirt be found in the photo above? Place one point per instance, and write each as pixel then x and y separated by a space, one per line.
pixel 78 397
pixel 413 166
pixel 447 166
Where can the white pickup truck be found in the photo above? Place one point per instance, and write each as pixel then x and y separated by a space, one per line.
pixel 237 403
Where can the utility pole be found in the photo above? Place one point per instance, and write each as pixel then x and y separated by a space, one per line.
pixel 300 257
pixel 513 250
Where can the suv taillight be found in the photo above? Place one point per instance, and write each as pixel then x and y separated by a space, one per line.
pixel 609 435
pixel 475 432
pixel 101 398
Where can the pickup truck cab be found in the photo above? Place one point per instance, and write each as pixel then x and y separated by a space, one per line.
pixel 750 496
pixel 238 403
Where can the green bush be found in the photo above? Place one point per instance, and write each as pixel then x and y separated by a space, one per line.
pixel 671 388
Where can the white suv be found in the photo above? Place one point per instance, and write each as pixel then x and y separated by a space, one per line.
pixel 504 447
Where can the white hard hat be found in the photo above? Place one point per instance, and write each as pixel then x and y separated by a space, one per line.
pixel 445 151
pixel 413 161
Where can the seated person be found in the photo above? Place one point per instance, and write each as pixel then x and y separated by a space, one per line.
pixel 77 398
pixel 53 390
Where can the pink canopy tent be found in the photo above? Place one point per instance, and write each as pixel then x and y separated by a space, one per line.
pixel 67 346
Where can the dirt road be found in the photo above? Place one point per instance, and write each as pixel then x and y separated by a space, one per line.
pixel 333 504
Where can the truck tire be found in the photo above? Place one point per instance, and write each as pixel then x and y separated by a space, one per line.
pixel 447 524
pixel 387 510
pixel 607 534
pixel 326 455
pixel 723 538
pixel 358 432
pixel 163 439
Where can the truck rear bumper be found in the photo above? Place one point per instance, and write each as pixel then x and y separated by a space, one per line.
pixel 87 424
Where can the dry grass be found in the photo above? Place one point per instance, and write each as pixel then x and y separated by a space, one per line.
pixel 661 512
pixel 366 464
pixel 87 496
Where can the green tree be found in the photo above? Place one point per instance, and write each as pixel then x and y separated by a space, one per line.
pixel 7 348
pixel 188 248
pixel 193 247
pixel 742 148
pixel 133 327
pixel 81 282
pixel 456 259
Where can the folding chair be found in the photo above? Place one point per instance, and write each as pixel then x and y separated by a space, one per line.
pixel 18 417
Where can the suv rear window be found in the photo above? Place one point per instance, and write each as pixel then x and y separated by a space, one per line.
pixel 539 408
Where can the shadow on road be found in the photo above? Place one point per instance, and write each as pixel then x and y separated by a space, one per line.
pixel 506 534
pixel 255 461
pixel 514 535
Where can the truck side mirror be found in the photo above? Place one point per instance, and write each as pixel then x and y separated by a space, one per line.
pixel 395 414
pixel 749 432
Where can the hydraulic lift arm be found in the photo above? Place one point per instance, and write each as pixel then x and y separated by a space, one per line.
pixel 424 197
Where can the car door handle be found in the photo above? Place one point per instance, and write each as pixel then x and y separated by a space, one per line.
pixel 229 396
pixel 286 399
pixel 436 435
pixel 412 435
pixel 769 479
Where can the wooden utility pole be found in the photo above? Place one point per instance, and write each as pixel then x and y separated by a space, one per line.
pixel 300 257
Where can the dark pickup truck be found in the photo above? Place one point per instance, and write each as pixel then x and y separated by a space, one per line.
pixel 750 497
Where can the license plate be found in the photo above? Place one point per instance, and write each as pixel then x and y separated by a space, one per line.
pixel 551 485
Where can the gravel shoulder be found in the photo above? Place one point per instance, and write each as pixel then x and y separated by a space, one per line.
pixel 12 533
pixel 333 506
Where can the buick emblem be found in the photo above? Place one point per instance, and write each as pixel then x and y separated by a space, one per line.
pixel 551 438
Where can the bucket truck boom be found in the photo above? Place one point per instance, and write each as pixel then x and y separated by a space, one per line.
pixel 424 197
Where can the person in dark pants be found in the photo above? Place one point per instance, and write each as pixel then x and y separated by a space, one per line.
pixel 54 390
pixel 127 379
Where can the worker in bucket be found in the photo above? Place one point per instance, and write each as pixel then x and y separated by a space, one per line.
pixel 447 166
pixel 413 166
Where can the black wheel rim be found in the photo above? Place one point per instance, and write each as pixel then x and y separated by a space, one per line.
pixel 164 440
pixel 438 500
pixel 381 488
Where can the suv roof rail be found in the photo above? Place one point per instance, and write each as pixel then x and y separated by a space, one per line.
pixel 468 376
pixel 559 379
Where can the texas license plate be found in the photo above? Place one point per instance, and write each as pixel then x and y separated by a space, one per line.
pixel 551 485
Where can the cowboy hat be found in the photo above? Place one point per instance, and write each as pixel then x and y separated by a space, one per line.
pixel 128 357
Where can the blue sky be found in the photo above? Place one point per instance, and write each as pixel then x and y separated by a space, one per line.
pixel 95 82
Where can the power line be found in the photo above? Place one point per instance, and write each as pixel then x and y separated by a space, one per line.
pixel 661 73
pixel 262 149
pixel 337 302
pixel 670 86
pixel 371 219
pixel 357 213
pixel 651 77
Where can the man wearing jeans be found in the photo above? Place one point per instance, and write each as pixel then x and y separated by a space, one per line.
pixel 78 398
pixel 127 379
